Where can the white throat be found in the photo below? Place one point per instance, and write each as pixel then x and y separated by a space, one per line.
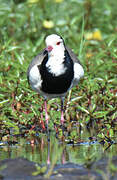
pixel 55 63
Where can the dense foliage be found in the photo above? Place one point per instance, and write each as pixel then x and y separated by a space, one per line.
pixel 90 29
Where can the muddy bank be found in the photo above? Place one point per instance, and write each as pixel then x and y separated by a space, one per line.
pixel 22 169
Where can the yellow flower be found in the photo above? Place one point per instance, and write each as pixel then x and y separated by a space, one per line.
pixel 48 24
pixel 58 1
pixel 96 35
pixel 89 55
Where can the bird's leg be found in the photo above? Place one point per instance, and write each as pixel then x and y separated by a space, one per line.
pixel 46 113
pixel 46 118
pixel 48 157
pixel 62 111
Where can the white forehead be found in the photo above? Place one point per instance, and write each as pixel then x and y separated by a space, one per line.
pixel 53 38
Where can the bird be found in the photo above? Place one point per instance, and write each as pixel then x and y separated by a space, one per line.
pixel 54 71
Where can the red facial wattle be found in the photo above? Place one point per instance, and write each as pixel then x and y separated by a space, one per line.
pixel 49 48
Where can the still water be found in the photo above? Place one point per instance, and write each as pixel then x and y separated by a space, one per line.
pixel 39 150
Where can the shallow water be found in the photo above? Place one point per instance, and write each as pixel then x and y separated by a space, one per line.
pixel 88 157
pixel 39 150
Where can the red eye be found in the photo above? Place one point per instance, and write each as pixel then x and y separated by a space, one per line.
pixel 58 43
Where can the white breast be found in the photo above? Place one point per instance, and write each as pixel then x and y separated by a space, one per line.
pixel 55 63
pixel 56 67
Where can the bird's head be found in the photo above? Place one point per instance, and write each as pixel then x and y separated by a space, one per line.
pixel 54 44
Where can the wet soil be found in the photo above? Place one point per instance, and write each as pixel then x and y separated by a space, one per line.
pixel 23 169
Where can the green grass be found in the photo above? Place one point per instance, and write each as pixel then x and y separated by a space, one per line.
pixel 22 36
